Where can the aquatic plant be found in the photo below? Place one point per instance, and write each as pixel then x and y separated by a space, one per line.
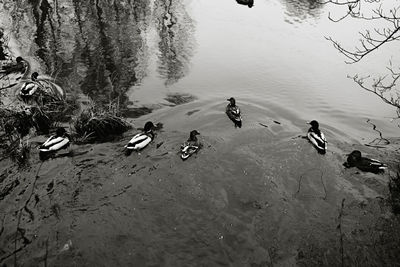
pixel 95 124
pixel 179 98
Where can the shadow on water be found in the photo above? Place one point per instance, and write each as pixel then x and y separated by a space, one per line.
pixel 175 29
pixel 300 10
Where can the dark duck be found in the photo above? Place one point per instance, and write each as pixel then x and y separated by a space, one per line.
pixel 60 140
pixel 191 146
pixel 249 3
pixel 19 66
pixel 29 88
pixel 316 137
pixel 233 112
pixel 141 140
pixel 364 164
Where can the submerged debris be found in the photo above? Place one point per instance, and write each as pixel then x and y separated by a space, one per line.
pixel 179 98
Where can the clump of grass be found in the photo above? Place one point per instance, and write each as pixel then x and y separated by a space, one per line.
pixel 18 121
pixel 15 124
pixel 15 121
pixel 58 110
pixel 95 125
pixel 394 190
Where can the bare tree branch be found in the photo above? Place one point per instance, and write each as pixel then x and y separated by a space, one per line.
pixel 369 41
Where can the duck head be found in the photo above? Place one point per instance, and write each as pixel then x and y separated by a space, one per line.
pixel 353 158
pixel 193 134
pixel 314 124
pixel 34 76
pixel 60 131
pixel 232 101
pixel 148 126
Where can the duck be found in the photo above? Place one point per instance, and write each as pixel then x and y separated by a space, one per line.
pixel 141 140
pixel 233 112
pixel 29 88
pixel 355 159
pixel 54 143
pixel 20 66
pixel 316 137
pixel 191 146
pixel 249 3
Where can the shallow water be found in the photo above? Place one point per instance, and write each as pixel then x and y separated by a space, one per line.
pixel 255 196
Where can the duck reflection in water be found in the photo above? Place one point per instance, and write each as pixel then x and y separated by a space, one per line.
pixel 249 3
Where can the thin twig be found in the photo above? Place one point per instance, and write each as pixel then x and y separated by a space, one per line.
pixel 340 231
pixel 322 181
pixel 20 214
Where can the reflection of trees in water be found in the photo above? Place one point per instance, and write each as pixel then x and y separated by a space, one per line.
pixel 175 29
pixel 97 45
pixel 300 10
pixel 109 56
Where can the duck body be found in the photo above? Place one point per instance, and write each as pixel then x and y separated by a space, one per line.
pixel 317 138
pixel 191 146
pixel 233 112
pixel 34 87
pixel 30 87
pixel 20 66
pixel 364 164
pixel 55 142
pixel 141 140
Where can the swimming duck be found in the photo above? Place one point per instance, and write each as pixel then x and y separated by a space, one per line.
pixel 233 112
pixel 249 3
pixel 56 142
pixel 191 146
pixel 141 140
pixel 364 164
pixel 316 137
pixel 29 88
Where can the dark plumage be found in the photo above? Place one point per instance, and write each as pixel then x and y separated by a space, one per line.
pixel 191 146
pixel 233 112
pixel 249 3
pixel 19 66
pixel 316 137
pixel 364 164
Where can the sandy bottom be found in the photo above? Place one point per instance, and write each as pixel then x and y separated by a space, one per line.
pixel 256 196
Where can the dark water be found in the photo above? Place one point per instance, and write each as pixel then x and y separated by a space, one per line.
pixel 258 196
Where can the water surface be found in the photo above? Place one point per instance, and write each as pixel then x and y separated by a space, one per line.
pixel 256 196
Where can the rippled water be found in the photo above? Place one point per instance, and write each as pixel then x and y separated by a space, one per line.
pixel 241 201
pixel 138 52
